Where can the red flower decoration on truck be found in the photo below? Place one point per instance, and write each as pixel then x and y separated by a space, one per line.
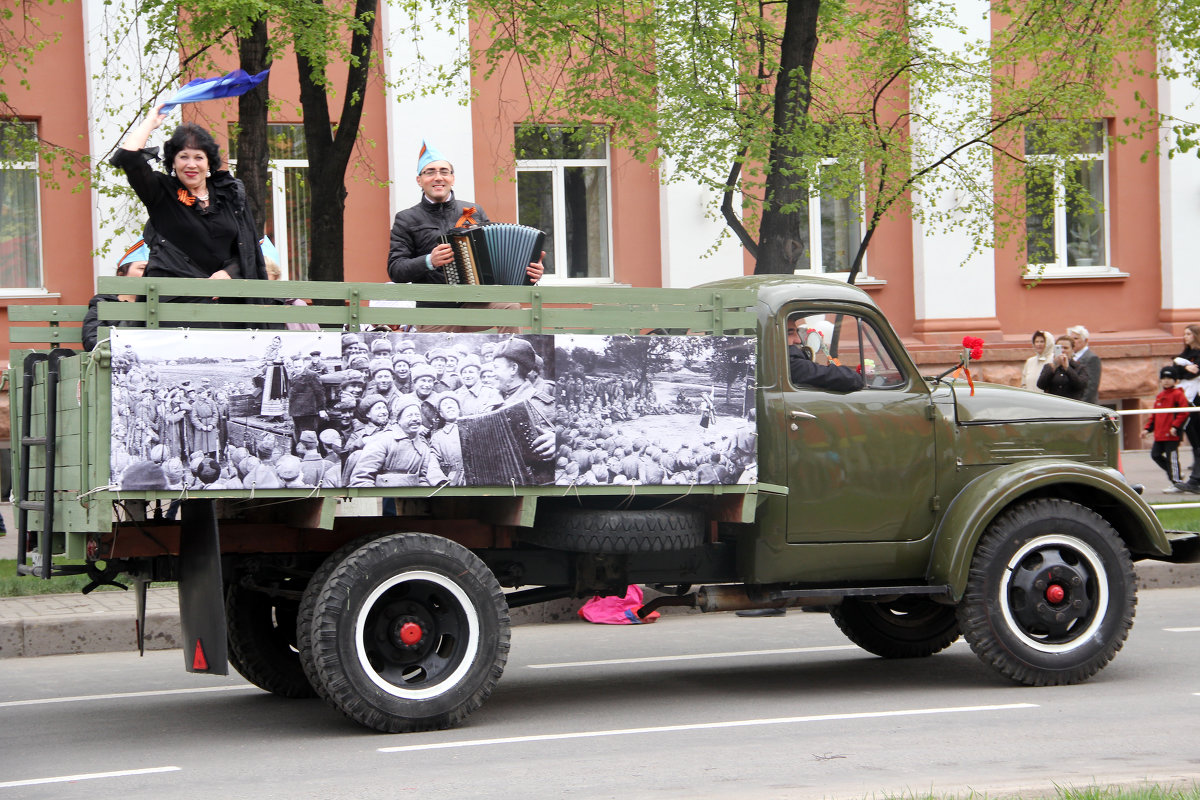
pixel 975 345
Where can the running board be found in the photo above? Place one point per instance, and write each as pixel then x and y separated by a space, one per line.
pixel 739 597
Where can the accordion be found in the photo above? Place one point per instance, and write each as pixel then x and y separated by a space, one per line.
pixel 494 254
pixel 497 448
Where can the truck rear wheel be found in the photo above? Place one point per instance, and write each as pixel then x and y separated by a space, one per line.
pixel 262 640
pixel 308 601
pixel 410 632
pixel 646 531
pixel 910 627
pixel 1050 595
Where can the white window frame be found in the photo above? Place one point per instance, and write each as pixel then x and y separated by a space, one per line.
pixel 557 167
pixel 275 176
pixel 816 264
pixel 40 287
pixel 275 169
pixel 1059 266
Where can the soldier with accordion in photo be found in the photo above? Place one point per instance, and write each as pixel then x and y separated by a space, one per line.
pixel 420 250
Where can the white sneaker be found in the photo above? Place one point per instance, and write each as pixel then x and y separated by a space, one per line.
pixel 1172 490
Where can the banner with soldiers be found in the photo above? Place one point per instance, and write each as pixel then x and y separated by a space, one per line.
pixel 226 410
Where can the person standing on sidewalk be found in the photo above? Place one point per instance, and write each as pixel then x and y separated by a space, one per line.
pixel 1167 428
pixel 1187 367
pixel 1088 360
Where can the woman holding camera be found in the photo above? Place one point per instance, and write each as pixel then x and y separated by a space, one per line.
pixel 1064 376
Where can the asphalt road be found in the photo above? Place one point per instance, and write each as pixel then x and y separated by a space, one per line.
pixel 689 706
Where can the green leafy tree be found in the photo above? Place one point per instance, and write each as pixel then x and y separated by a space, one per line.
pixel 872 101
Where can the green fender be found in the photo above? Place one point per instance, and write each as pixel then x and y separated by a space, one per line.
pixel 984 498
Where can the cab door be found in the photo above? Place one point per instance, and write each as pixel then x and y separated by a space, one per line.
pixel 860 463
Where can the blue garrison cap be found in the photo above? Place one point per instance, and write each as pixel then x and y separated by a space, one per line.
pixel 428 155
pixel 269 251
pixel 139 252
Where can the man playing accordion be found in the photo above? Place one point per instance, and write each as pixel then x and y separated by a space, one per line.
pixel 417 254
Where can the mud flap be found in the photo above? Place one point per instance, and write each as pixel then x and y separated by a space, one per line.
pixel 201 590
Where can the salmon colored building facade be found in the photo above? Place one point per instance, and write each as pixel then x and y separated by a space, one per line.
pixel 615 221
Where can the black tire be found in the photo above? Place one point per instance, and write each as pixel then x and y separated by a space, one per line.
pixel 308 601
pixel 910 627
pixel 1050 595
pixel 657 530
pixel 261 631
pixel 409 633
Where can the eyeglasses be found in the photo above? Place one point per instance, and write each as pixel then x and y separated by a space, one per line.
pixel 443 172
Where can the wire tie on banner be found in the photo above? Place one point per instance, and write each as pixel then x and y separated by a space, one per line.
pixel 109 488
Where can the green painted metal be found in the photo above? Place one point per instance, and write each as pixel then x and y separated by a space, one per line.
pixel 986 497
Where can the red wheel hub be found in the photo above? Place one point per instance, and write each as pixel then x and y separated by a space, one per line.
pixel 411 633
pixel 1055 593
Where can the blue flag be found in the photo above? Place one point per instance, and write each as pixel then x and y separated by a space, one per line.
pixel 234 84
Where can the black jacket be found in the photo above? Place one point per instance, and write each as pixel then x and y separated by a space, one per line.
pixel 415 232
pixel 806 372
pixel 91 320
pixel 176 234
pixel 1069 381
pixel 169 260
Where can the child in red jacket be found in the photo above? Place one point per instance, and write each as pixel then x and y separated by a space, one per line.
pixel 1168 428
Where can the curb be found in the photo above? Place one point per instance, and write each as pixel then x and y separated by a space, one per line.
pixel 111 632
pixel 93 633
pixel 116 631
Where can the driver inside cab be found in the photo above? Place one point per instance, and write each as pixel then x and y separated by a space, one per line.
pixel 809 362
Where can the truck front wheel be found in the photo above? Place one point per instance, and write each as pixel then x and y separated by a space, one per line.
pixel 410 632
pixel 909 627
pixel 1050 595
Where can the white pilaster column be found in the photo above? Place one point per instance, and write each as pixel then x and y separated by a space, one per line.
pixel 116 88
pixel 949 283
pixel 1179 205
pixel 688 231
pixel 414 48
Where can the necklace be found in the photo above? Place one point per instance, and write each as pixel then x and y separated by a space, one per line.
pixel 203 198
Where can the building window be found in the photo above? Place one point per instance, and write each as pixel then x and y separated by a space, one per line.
pixel 563 189
pixel 1066 197
pixel 288 198
pixel 833 234
pixel 20 240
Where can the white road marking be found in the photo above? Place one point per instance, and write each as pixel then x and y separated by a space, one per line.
pixel 87 776
pixel 1182 630
pixel 123 695
pixel 698 726
pixel 695 657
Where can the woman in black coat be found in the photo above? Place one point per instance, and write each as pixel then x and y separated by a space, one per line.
pixel 201 225
pixel 1064 376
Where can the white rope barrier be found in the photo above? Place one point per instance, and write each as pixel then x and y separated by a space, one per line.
pixel 1130 412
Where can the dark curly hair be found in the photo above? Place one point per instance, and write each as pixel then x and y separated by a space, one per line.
pixel 190 136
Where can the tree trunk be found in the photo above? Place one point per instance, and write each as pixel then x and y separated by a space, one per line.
pixel 254 57
pixel 782 235
pixel 329 153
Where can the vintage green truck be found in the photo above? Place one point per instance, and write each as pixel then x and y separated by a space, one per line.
pixel 915 509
